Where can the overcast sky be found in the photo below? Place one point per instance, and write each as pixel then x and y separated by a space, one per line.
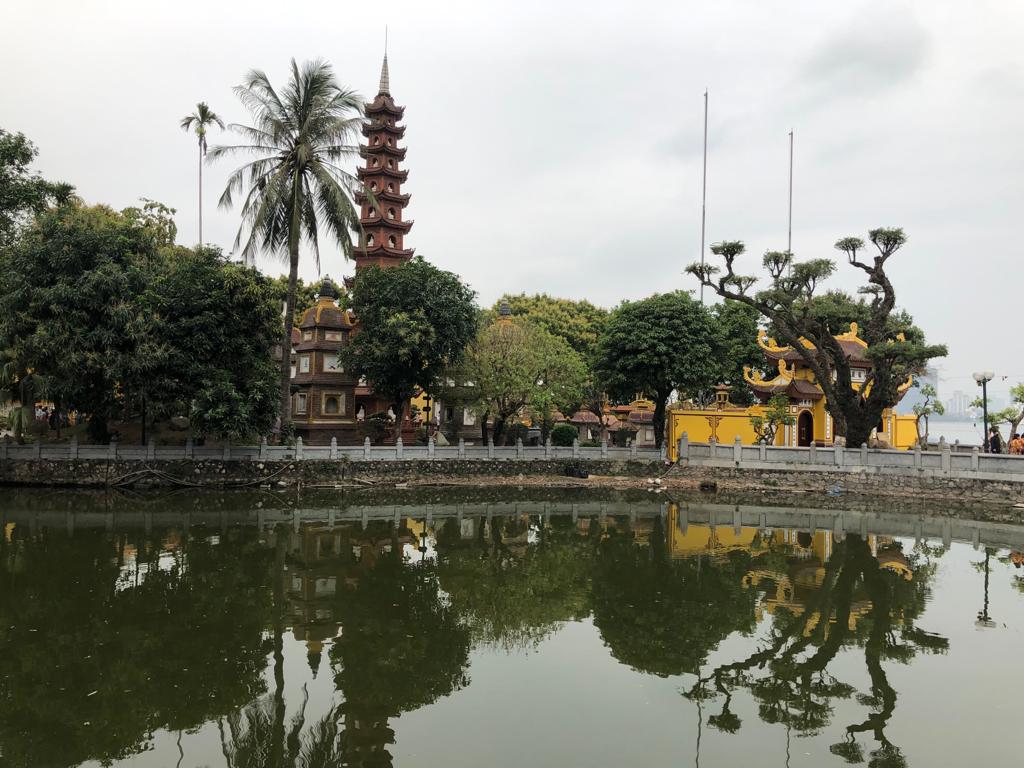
pixel 556 146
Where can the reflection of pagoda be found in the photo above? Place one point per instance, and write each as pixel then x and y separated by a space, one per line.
pixel 322 559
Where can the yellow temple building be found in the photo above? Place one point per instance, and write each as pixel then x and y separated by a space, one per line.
pixel 812 424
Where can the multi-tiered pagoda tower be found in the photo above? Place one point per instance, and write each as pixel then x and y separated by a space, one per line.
pixel 384 228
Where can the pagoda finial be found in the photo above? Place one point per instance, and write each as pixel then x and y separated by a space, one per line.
pixel 385 81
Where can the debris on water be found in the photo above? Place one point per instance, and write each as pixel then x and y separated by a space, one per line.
pixel 91 694
pixel 834 490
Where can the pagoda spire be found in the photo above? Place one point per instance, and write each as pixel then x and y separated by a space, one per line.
pixel 382 201
pixel 385 80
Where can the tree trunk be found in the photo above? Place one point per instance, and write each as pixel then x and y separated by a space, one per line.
pixel 399 406
pixel 286 344
pixel 277 727
pixel 200 195
pixel 660 403
pixel 499 430
pixel 483 425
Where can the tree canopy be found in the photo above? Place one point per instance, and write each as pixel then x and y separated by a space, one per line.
pixel 415 322
pixel 578 323
pixel 101 312
pixel 515 364
pixel 23 194
pixel 655 347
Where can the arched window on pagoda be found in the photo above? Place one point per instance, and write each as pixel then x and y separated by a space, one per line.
pixel 391 187
pixel 369 241
pixel 376 140
pixel 373 186
pixel 391 142
pixel 391 163
pixel 391 213
pixel 392 241
pixel 374 162
pixel 371 213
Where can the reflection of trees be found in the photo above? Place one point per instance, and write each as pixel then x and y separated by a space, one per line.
pixel 511 594
pixel 663 616
pixel 858 603
pixel 401 648
pixel 91 665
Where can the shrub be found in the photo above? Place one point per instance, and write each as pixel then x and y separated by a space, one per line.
pixel 564 434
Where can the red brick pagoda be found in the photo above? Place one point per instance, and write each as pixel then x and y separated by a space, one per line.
pixel 384 229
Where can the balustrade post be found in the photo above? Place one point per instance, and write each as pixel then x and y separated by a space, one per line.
pixel 112 449
pixel 151 449
pixel 462 448
pixel 190 447
pixel 975 458
pixel 863 454
pixel 947 457
pixel 490 447
pixel 547 448
pixel 263 448
pixel 838 449
pixel 632 449
pixel 575 447
pixel 334 448
pixel 226 453
pixel 519 447
pixel 37 448
pixel 683 447
pixel 737 450
pixel 430 448
pixel 298 449
pixel 604 447
pixel 73 448
pixel 367 451
pixel 399 448
pixel 918 458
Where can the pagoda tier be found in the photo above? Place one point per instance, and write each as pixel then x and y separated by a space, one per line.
pixel 383 203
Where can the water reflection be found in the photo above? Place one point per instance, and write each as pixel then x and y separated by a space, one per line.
pixel 108 637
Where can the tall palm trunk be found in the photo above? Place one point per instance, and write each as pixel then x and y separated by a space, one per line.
pixel 200 194
pixel 286 346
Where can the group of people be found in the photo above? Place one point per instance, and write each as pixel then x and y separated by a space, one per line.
pixel 995 443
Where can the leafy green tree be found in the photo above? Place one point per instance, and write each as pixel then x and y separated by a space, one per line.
pixel 736 328
pixel 295 186
pixel 796 312
pixel 658 346
pixel 579 323
pixel 514 364
pixel 218 324
pixel 23 194
pixel 776 415
pixel 564 434
pixel 415 322
pixel 928 407
pixel 69 310
pixel 200 122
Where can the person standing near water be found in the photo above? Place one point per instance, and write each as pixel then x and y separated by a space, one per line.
pixel 995 442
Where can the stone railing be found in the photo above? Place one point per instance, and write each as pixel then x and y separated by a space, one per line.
pixel 941 463
pixel 73 451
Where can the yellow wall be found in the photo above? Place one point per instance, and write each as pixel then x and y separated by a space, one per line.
pixel 900 431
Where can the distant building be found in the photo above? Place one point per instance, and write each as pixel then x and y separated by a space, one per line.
pixel 957 405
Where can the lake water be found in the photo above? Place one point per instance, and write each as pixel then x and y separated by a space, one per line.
pixel 593 631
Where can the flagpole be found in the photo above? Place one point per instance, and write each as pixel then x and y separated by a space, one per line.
pixel 789 235
pixel 704 194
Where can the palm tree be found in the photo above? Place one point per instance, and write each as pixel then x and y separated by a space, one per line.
pixel 200 120
pixel 294 185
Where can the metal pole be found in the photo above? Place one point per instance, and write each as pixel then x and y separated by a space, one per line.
pixel 704 192
pixel 789 235
pixel 984 415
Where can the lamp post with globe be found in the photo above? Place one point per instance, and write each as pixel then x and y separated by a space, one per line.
pixel 983 378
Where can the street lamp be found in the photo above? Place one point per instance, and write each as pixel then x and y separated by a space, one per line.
pixel 983 378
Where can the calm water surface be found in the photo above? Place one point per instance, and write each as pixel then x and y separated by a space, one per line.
pixel 633 633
